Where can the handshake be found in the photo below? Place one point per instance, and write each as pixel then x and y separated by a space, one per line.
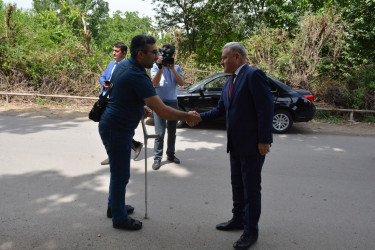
pixel 193 118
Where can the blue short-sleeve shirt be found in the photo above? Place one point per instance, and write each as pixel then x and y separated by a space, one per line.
pixel 130 87
pixel 168 86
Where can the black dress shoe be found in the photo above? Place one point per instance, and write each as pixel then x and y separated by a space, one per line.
pixel 245 241
pixel 105 162
pixel 230 225
pixel 129 224
pixel 173 159
pixel 129 210
pixel 156 165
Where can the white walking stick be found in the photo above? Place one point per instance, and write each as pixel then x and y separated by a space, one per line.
pixel 146 137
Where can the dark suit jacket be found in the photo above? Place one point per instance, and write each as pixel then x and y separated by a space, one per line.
pixel 249 112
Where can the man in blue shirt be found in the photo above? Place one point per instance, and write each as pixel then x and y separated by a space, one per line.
pixel 166 77
pixel 132 88
pixel 119 53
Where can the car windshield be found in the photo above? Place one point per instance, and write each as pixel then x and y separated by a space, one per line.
pixel 198 85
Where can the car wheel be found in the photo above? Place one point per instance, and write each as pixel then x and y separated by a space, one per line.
pixel 180 123
pixel 282 121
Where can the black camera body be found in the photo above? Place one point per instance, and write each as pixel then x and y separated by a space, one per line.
pixel 167 55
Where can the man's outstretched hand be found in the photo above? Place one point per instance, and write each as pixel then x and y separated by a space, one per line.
pixel 194 118
pixel 148 112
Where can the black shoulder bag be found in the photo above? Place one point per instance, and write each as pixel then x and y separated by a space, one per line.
pixel 99 106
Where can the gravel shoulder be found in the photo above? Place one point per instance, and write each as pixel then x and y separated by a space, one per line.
pixel 80 113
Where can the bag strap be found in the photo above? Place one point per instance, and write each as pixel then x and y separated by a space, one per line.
pixel 106 93
pixel 117 75
pixel 122 71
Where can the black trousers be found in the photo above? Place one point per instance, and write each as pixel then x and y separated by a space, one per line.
pixel 246 186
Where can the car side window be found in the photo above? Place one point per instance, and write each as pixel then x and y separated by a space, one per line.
pixel 272 86
pixel 216 84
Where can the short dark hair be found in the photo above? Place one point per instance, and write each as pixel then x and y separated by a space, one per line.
pixel 122 46
pixel 140 42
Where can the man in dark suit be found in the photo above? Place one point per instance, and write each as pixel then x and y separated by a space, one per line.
pixel 247 102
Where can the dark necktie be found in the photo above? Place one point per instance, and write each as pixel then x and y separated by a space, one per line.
pixel 231 85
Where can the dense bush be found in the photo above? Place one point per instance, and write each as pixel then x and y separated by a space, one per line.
pixel 44 54
pixel 361 86
pixel 357 91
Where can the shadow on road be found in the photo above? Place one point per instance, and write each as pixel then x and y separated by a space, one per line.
pixel 24 125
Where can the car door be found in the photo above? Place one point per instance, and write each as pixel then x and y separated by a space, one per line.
pixel 281 95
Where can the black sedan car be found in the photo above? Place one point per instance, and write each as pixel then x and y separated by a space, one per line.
pixel 290 105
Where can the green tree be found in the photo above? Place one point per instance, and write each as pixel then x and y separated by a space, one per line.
pixel 216 27
pixel 296 59
pixel 360 27
pixel 122 27
pixel 96 11
pixel 206 25
pixel 42 5
pixel 173 14
pixel 42 53
pixel 357 15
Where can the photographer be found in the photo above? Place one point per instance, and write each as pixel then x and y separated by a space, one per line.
pixel 119 52
pixel 166 77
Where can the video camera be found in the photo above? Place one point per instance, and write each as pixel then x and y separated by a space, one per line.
pixel 167 55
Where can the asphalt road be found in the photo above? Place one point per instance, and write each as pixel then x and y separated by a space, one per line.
pixel 318 190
